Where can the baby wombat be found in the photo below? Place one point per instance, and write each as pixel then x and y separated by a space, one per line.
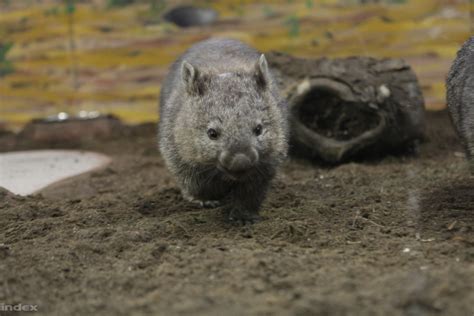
pixel 223 126
pixel 460 97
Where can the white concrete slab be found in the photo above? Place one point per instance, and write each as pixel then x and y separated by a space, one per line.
pixel 27 172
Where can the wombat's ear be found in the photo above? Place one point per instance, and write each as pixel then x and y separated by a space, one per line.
pixel 191 79
pixel 262 74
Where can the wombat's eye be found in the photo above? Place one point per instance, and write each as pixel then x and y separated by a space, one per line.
pixel 258 129
pixel 212 133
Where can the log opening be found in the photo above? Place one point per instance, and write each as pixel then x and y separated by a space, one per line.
pixel 322 110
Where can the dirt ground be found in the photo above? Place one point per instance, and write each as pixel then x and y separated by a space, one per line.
pixel 387 237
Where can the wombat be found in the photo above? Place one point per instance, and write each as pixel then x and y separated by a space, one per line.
pixel 223 127
pixel 460 97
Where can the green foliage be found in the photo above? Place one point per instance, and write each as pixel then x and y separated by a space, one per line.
pixel 119 3
pixel 51 11
pixel 4 48
pixel 6 66
pixel 238 9
pixel 155 12
pixel 293 25
pixel 379 1
pixel 157 6
pixel 268 12
pixel 70 6
pixel 309 4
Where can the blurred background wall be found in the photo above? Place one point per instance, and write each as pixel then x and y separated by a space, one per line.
pixel 111 55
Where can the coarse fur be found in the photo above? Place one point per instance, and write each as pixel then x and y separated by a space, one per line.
pixel 223 86
pixel 460 97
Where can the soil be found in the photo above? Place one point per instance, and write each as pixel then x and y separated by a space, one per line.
pixel 387 237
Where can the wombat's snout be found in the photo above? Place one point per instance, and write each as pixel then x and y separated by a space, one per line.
pixel 237 164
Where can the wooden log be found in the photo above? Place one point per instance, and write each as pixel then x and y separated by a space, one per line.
pixel 356 107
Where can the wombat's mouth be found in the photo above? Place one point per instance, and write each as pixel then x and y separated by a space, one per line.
pixel 330 120
pixel 233 175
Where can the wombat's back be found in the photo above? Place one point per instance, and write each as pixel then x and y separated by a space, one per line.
pixel 460 97
pixel 459 78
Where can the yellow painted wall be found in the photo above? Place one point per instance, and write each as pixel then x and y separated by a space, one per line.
pixel 122 53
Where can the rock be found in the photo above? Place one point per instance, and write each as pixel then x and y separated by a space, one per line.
pixel 187 16
pixel 72 131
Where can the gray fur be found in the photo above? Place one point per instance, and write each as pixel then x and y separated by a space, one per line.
pixel 224 85
pixel 460 97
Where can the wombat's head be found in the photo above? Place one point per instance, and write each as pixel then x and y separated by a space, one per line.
pixel 231 121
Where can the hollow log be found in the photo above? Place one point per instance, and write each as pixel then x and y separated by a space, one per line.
pixel 348 108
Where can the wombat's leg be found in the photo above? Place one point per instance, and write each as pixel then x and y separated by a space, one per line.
pixel 206 204
pixel 470 159
pixel 244 202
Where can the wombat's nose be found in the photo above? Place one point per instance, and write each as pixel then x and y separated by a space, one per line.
pixel 240 162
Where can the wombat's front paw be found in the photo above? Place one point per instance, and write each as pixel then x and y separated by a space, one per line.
pixel 206 204
pixel 200 203
pixel 242 217
pixel 209 204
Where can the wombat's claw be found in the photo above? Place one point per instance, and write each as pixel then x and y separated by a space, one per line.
pixel 206 204
pixel 243 218
pixel 200 203
pixel 209 204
